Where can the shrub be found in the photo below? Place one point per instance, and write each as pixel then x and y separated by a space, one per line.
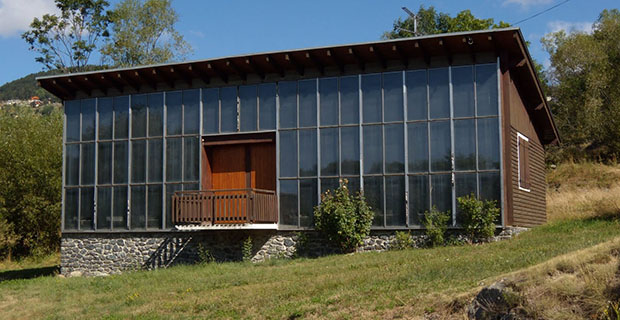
pixel 436 224
pixel 246 249
pixel 402 241
pixel 343 219
pixel 478 217
pixel 204 255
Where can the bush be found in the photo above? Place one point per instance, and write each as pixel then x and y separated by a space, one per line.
pixel 246 249
pixel 436 224
pixel 478 217
pixel 402 241
pixel 343 219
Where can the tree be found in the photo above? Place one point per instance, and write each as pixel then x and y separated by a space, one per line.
pixel 144 33
pixel 585 89
pixel 432 22
pixel 66 41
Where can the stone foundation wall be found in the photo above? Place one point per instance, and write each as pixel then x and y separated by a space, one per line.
pixel 109 253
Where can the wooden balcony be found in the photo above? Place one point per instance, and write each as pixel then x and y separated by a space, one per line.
pixel 224 207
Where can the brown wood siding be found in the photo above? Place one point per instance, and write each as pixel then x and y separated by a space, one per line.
pixel 529 208
pixel 228 167
pixel 263 166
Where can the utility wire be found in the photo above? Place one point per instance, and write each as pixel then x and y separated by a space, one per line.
pixel 536 15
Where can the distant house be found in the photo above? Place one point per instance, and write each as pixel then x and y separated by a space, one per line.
pixel 34 101
pixel 160 158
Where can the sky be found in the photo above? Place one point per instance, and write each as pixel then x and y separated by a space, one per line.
pixel 234 27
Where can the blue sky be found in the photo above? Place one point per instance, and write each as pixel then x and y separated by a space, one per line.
pixel 237 27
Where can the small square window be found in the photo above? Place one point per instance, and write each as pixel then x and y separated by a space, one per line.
pixel 523 159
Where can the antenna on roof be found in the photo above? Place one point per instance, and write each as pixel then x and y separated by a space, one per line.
pixel 415 20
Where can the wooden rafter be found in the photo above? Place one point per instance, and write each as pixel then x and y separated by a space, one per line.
pixel 231 64
pixel 403 57
pixel 255 68
pixel 335 59
pixel 360 62
pixel 299 67
pixel 446 50
pixel 425 55
pixel 201 72
pixel 379 56
pixel 148 77
pixel 218 72
pixel 315 62
pixel 128 81
pixel 275 65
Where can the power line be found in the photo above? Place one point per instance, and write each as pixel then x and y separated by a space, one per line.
pixel 536 15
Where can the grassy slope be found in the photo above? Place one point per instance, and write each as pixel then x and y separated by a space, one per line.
pixel 371 285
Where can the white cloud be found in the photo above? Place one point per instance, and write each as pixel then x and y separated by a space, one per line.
pixel 16 15
pixel 555 26
pixel 527 3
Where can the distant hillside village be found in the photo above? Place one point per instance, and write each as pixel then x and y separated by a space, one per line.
pixel 34 101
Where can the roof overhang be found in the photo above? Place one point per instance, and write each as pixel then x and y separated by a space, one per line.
pixel 411 52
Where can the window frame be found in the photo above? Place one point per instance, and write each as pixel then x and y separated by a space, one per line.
pixel 524 182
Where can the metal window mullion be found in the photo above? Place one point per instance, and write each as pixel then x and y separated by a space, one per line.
pixel 200 106
pixel 318 141
pixel 79 209
pixel 298 162
pixel 476 130
pixel 501 148
pixel 112 168
pixel 96 177
pixel 383 149
pixel 339 127
pixel 453 178
pixel 129 162
pixel 406 148
pixel 257 108
pixel 64 166
pixel 361 133
pixel 277 126
pixel 428 141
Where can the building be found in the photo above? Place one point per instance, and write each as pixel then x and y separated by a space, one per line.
pixel 158 158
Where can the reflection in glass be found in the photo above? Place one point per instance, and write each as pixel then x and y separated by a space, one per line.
pixel 393 96
pixel 72 201
pixel 170 190
pixel 440 146
pixel 138 161
pixel 267 106
pixel 373 191
pixel 72 113
pixel 138 207
pixel 155 196
pixel 72 164
pixel 104 163
pixel 371 97
pixel 307 103
pixel 174 159
pixel 174 101
pixel 373 149
pixel 307 153
pixel 228 109
pixel 288 153
pixel 156 160
pixel 439 93
pixel 441 193
pixel 486 89
pixel 287 91
pixel 191 111
pixel 417 138
pixel 418 199
pixel 417 101
pixel 87 208
pixel 120 162
pixel 395 212
pixel 488 143
pixel 329 152
pixel 138 115
pixel 328 93
pixel 308 198
pixel 121 117
pixel 104 208
pixel 88 119
pixel 190 158
pixel 394 148
pixel 288 202
pixel 350 150
pixel 248 105
pixel 156 114
pixel 464 145
pixel 210 111
pixel 464 185
pixel 490 186
pixel 463 91
pixel 88 163
pixel 119 208
pixel 106 117
pixel 349 100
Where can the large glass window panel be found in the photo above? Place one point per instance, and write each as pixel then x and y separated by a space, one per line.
pixel 441 192
pixel 87 208
pixel 174 109
pixel 88 163
pixel 393 96
pixel 72 114
pixel 228 109
pixel 138 161
pixel 329 152
pixel 88 119
pixel 417 99
pixel 267 106
pixel 248 105
pixel 394 148
pixel 72 164
pixel 373 191
pixel 138 115
pixel 121 117
pixel 417 139
pixel 72 200
pixel 191 111
pixel 463 91
pixel 307 103
pixel 211 111
pixel 106 117
pixel 174 159
pixel 439 93
pixel 371 97
pixel 349 100
pixel 486 89
pixel 288 202
pixel 488 144
pixel 155 197
pixel 440 146
pixel 104 163
pixel 288 153
pixel 308 198
pixel 395 212
pixel 287 91
pixel 104 208
pixel 350 150
pixel 170 190
pixel 490 188
pixel 464 145
pixel 191 158
pixel 353 184
pixel 418 199
pixel 138 207
pixel 373 149
pixel 156 114
pixel 119 208
pixel 464 185
pixel 156 160
pixel 191 186
pixel 328 97
pixel 120 162
pixel 307 153
pixel 329 184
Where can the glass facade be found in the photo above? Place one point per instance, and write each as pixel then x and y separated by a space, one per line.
pixel 409 139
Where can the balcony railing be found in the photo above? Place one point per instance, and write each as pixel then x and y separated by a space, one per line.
pixel 233 206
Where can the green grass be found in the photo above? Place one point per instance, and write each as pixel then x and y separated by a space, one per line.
pixel 368 285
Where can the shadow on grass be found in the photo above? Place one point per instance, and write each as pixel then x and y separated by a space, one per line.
pixel 28 273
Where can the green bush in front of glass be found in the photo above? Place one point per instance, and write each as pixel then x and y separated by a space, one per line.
pixel 436 224
pixel 343 219
pixel 478 217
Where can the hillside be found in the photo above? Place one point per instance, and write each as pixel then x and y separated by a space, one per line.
pixel 26 87
pixel 566 269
